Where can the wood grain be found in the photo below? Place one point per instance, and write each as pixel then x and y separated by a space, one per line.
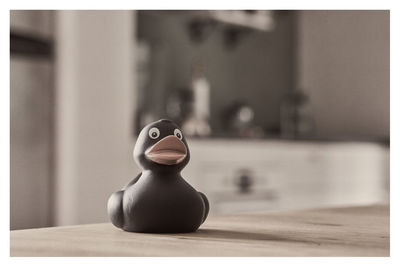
pixel 355 231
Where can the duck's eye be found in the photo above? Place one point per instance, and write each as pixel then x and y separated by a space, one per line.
pixel 178 133
pixel 154 133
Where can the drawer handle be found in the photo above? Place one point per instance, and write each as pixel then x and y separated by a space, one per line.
pixel 245 182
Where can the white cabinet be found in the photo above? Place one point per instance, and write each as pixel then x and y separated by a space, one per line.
pixel 243 176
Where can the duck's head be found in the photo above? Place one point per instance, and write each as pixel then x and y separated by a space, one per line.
pixel 162 147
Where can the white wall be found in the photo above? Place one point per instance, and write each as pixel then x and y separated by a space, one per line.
pixel 95 103
pixel 344 67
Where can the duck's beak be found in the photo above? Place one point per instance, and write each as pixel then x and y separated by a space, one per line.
pixel 168 151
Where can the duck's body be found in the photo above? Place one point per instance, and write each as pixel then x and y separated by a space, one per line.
pixel 159 200
pixel 166 205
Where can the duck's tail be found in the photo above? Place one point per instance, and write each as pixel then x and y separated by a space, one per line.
pixel 115 209
pixel 206 206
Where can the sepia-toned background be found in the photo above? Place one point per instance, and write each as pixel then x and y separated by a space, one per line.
pixel 282 109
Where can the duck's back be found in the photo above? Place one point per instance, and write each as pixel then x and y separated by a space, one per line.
pixel 169 205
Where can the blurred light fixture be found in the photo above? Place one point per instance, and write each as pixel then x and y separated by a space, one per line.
pixel 255 19
pixel 235 24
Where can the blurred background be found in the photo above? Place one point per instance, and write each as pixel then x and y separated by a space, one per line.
pixel 282 109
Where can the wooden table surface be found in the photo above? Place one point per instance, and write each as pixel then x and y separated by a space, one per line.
pixel 354 231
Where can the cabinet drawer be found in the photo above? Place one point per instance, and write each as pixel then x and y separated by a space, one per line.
pixel 264 176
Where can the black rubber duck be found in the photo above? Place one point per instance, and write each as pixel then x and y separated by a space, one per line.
pixel 159 200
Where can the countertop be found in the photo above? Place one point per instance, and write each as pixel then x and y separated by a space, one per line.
pixel 352 231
